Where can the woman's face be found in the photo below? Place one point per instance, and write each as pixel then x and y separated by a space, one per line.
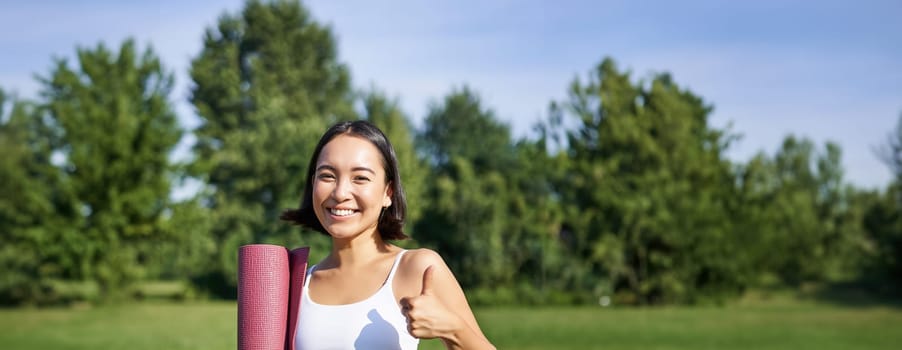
pixel 349 187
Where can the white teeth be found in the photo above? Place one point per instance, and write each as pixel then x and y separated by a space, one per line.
pixel 341 212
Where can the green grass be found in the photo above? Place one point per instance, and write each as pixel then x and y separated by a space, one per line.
pixel 781 324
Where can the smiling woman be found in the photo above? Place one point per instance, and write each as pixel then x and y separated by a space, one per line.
pixel 350 188
pixel 368 293
pixel 362 150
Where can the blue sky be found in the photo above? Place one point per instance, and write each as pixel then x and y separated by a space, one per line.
pixel 826 70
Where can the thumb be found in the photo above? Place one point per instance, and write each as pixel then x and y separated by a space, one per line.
pixel 427 281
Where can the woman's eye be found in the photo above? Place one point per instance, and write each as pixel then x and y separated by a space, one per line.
pixel 361 179
pixel 325 177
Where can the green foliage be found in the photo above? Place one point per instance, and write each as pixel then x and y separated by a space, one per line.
pixel 89 177
pixel 386 115
pixel 31 202
pixel 465 217
pixel 891 150
pixel 462 127
pixel 624 192
pixel 796 200
pixel 116 130
pixel 267 83
pixel 489 211
pixel 648 192
pixel 182 252
pixel 883 221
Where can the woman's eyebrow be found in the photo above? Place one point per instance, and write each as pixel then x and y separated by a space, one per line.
pixel 325 167
pixel 332 168
pixel 363 168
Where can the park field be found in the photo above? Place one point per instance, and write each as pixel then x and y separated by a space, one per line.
pixel 784 324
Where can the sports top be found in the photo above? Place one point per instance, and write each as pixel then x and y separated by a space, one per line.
pixel 373 323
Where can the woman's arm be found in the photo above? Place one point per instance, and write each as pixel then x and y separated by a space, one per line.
pixel 438 308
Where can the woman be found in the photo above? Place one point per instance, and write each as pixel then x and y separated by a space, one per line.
pixel 368 293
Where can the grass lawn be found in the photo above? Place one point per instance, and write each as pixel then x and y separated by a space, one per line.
pixel 771 325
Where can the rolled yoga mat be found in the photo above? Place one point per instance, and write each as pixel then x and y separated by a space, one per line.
pixel 267 305
pixel 263 283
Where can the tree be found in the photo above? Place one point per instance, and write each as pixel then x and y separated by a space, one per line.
pixel 489 209
pixel 465 220
pixel 461 127
pixel 34 212
pixel 883 221
pixel 112 128
pixel 386 115
pixel 883 225
pixel 891 151
pixel 267 84
pixel 647 196
pixel 796 203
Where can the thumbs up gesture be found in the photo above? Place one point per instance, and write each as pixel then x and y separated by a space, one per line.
pixel 427 316
pixel 427 281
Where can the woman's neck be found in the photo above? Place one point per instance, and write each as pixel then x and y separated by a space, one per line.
pixel 357 251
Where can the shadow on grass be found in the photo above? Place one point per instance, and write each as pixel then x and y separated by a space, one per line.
pixel 854 294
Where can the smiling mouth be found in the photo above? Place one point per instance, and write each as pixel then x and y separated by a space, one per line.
pixel 341 212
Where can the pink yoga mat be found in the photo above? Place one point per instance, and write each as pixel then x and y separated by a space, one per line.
pixel 269 282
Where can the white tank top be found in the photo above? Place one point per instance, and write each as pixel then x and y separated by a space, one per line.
pixel 373 323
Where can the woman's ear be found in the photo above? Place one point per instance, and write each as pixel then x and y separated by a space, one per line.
pixel 388 193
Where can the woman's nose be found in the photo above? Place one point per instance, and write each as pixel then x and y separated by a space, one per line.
pixel 342 190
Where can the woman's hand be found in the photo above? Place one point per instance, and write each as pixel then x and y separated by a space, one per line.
pixel 427 316
pixel 440 309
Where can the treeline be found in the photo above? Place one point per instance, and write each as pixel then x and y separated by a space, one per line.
pixel 624 189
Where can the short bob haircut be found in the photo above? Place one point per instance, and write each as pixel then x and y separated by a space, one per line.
pixel 391 220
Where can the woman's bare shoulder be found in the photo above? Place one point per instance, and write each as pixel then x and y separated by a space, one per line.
pixel 413 264
pixel 417 260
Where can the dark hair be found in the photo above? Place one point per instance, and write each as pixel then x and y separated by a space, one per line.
pixel 391 221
